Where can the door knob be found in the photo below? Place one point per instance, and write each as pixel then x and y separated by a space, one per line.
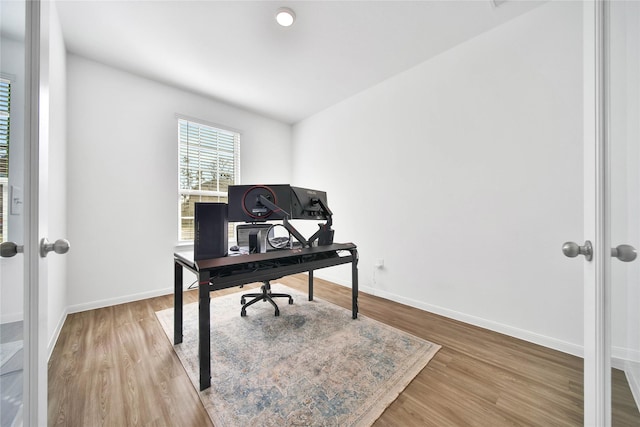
pixel 572 249
pixel 60 246
pixel 625 253
pixel 9 249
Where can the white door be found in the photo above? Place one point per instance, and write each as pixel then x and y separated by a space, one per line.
pixel 24 130
pixel 14 276
pixel 612 212
pixel 622 47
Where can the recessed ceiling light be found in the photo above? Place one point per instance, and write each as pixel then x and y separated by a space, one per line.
pixel 285 16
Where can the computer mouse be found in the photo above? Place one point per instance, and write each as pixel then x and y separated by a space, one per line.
pixel 234 248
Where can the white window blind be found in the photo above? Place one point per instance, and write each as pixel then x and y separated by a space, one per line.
pixel 5 108
pixel 209 161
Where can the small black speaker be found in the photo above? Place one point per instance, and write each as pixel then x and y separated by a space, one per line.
pixel 211 231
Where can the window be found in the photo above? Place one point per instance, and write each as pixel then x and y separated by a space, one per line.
pixel 5 101
pixel 209 161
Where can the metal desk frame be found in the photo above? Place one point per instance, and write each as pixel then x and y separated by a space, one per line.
pixel 225 272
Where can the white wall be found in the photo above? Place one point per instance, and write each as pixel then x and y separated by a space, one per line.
pixel 464 175
pixel 122 177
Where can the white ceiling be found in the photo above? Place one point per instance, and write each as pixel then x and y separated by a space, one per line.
pixel 235 52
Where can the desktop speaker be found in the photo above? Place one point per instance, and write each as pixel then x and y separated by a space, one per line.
pixel 211 231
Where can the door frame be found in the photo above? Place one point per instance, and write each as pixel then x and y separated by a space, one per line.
pixel 597 314
pixel 35 373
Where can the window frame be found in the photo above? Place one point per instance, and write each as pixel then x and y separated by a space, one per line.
pixel 207 193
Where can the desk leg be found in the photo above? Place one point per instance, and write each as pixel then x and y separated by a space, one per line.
pixel 310 285
pixel 204 320
pixel 177 303
pixel 354 284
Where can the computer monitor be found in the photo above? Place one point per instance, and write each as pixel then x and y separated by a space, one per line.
pixel 246 203
pixel 309 204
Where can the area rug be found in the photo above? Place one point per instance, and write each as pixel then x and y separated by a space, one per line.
pixel 311 366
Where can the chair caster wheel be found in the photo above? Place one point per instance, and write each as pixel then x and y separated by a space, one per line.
pixel 290 301
pixel 243 313
pixel 277 313
pixel 242 301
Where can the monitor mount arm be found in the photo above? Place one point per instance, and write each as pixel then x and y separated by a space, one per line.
pixel 325 233
pixel 285 219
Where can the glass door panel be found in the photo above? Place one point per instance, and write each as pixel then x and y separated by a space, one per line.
pixel 12 196
pixel 623 117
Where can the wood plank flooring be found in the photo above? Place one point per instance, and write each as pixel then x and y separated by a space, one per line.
pixel 115 367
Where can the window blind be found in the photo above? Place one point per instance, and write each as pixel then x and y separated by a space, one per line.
pixel 5 102
pixel 209 161
pixel 5 108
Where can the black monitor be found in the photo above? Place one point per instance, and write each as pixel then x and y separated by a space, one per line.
pixel 309 204
pixel 246 203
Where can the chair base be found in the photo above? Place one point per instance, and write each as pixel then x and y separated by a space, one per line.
pixel 265 295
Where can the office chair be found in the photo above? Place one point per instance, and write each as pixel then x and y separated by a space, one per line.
pixel 265 295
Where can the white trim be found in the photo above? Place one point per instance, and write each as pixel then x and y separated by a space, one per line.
pixel 184 244
pixel 633 380
pixel 56 333
pixel 8 77
pixel 4 182
pixel 34 409
pixel 77 308
pixel 211 193
pixel 207 123
pixel 11 318
pixel 621 354
pixel 597 358
pixel 602 244
pixel 532 337
pixel 628 368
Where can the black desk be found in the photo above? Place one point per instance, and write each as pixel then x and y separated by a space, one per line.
pixel 221 273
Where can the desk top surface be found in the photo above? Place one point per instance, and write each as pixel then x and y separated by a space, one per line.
pixel 205 264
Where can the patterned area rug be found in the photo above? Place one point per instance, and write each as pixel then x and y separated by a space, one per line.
pixel 311 366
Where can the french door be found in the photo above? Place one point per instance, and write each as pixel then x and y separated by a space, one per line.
pixel 622 108
pixel 612 210
pixel 23 172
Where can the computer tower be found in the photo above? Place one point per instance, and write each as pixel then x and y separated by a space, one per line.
pixel 211 231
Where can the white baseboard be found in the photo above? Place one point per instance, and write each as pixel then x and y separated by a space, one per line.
pixel 626 354
pixel 56 333
pixel 545 341
pixel 632 371
pixel 11 317
pixel 77 308
pixel 628 360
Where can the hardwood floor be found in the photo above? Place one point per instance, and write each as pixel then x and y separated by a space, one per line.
pixel 115 366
